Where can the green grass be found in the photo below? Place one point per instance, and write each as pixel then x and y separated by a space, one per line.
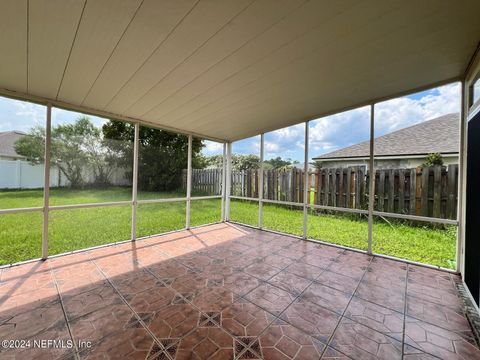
pixel 20 234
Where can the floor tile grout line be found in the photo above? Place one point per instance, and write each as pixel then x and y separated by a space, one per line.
pixel 346 307
pixel 139 319
pixel 278 316
pixel 67 321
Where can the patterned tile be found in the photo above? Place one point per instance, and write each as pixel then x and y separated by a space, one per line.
pixel 284 341
pixel 306 271
pixel 206 343
pixel 439 342
pixel 241 283
pixel 210 319
pixel 376 317
pixel 360 342
pixel 174 321
pixel 261 270
pixel 327 297
pixel 338 281
pixel 247 347
pixel 312 319
pixel 447 317
pixel 393 298
pixel 292 283
pixel 215 298
pixel 270 298
pixel 277 261
pixel 244 318
pixel 163 349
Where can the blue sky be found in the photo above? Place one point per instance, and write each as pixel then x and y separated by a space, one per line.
pixel 344 129
pixel 326 134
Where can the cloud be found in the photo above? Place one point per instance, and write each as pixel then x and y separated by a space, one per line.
pixel 212 148
pixel 351 127
pixel 406 111
pixel 286 143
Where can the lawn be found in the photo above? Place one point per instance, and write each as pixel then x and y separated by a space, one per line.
pixel 20 234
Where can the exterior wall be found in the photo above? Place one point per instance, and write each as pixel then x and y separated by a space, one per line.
pixel 406 163
pixel 22 175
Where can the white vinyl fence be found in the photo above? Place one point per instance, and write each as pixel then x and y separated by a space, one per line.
pixel 19 174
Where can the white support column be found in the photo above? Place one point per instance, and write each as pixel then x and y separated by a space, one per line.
pixel 135 181
pixel 228 182
pixel 371 179
pixel 46 182
pixel 189 182
pixel 224 171
pixel 305 184
pixel 462 176
pixel 260 181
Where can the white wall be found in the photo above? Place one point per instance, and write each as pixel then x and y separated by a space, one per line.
pixel 21 174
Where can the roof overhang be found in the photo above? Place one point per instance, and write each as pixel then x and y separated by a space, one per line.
pixel 382 157
pixel 230 69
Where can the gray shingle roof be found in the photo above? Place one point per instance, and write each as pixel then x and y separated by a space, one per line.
pixel 439 135
pixel 7 142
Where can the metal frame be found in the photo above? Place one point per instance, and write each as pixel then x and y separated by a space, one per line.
pixel 260 181
pixel 371 199
pixel 135 181
pixel 306 190
pixel 46 182
pixel 371 187
pixel 189 182
pixel 227 168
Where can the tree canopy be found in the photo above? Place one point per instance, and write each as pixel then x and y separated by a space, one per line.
pixel 162 154
pixel 74 147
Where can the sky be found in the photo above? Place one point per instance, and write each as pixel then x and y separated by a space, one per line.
pixel 326 134
pixel 347 128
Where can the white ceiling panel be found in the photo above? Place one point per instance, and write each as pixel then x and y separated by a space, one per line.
pixel 152 24
pixel 203 22
pixel 45 18
pixel 229 69
pixel 13 45
pixel 101 27
pixel 252 22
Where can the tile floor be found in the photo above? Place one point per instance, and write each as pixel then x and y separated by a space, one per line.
pixel 230 292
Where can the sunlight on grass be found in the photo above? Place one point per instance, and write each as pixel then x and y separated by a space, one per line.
pixel 158 218
pixel 205 211
pixel 20 237
pixel 75 229
pixel 244 211
pixel 20 234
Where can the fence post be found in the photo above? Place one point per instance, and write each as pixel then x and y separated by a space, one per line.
pixel 371 188
pixel 46 182
pixel 305 186
pixel 136 141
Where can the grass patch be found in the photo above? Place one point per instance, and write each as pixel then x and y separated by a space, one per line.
pixel 20 234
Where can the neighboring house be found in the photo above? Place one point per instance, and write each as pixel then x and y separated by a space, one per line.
pixel 405 148
pixel 7 145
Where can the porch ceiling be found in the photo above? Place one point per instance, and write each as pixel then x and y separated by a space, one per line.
pixel 230 69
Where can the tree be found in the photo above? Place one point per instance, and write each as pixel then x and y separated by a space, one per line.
pixel 75 149
pixel 162 156
pixel 433 159
pixel 279 163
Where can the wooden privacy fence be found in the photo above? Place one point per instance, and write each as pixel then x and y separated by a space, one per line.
pixel 206 181
pixel 427 191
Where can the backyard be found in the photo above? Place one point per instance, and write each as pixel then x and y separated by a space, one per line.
pixel 73 229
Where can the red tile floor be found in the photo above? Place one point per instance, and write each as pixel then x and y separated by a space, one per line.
pixel 225 291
